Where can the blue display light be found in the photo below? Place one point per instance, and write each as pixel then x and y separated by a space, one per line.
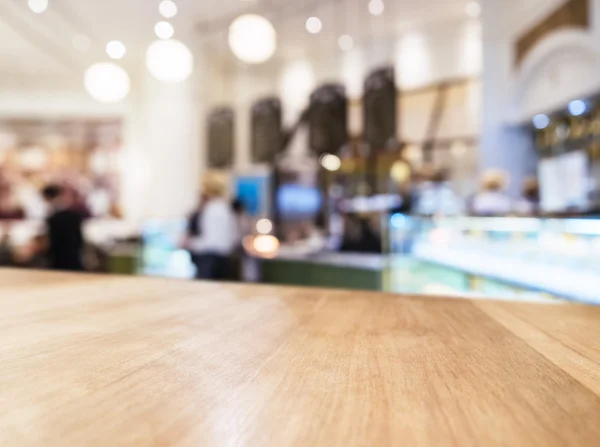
pixel 541 121
pixel 577 107
pixel 398 220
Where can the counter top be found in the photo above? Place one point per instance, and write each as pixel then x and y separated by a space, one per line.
pixel 365 261
pixel 106 361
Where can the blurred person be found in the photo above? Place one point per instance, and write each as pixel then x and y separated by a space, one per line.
pixel 6 252
pixel 243 267
pixel 218 233
pixel 492 199
pixel 529 203
pixel 64 231
pixel 359 237
pixel 243 219
pixel 435 196
pixel 193 229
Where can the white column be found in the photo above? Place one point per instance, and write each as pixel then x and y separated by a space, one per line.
pixel 161 162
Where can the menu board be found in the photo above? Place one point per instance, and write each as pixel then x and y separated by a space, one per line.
pixel 564 182
pixel 328 119
pixel 380 118
pixel 266 130
pixel 221 138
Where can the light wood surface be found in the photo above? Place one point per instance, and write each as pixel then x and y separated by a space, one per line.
pixel 113 361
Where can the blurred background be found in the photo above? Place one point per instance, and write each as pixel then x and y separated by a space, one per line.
pixel 431 147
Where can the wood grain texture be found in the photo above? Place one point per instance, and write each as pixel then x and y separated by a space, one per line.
pixel 114 361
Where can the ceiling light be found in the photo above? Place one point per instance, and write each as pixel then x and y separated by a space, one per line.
pixel 115 49
pixel 473 9
pixel 541 121
pixel 169 61
pixel 38 6
pixel 164 30
pixel 376 7
pixel 107 82
pixel 346 42
pixel 331 162
pixel 81 42
pixel 577 107
pixel 252 39
pixel 167 9
pixel 314 25
pixel 264 226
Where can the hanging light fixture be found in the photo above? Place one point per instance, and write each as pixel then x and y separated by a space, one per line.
pixel 38 6
pixel 115 49
pixel 252 39
pixel 169 61
pixel 376 7
pixel 164 30
pixel 314 25
pixel 167 9
pixel 107 82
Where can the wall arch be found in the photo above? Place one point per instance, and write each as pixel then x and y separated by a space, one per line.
pixel 561 67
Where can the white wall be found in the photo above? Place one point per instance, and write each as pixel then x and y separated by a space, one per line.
pixel 61 102
pixel 561 67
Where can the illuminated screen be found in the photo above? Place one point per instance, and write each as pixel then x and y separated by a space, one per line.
pixel 297 201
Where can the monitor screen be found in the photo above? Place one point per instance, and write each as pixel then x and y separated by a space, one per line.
pixel 298 201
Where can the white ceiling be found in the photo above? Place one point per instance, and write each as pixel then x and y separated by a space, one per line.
pixel 40 45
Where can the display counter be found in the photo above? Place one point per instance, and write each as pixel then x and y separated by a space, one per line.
pixel 109 243
pixel 553 257
pixel 93 360
pixel 340 270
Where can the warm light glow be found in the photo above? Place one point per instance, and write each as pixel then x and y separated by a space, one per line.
pixel 167 9
pixel 164 30
pixel 81 42
pixel 169 61
pixel 107 82
pixel 115 49
pixel 346 42
pixel 264 226
pixel 376 7
pixel 314 25
pixel 38 6
pixel 473 9
pixel 266 246
pixel 331 162
pixel 400 172
pixel 252 39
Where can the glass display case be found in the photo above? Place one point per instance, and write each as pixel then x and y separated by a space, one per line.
pixel 536 258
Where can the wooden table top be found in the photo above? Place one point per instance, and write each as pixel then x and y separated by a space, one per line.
pixel 114 361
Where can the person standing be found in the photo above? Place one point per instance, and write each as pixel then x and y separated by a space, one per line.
pixel 492 200
pixel 64 231
pixel 218 234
